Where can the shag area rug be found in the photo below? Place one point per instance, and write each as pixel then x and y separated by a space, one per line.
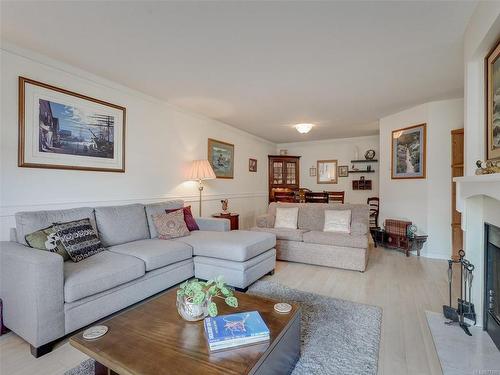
pixel 338 337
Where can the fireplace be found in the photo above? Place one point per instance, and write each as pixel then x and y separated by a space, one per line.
pixel 492 283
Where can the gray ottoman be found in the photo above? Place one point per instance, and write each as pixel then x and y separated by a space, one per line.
pixel 241 257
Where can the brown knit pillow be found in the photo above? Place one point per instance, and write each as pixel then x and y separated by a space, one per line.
pixel 170 225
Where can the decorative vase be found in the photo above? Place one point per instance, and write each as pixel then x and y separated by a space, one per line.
pixel 192 311
pixel 225 205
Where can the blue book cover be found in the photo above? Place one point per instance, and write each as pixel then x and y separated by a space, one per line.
pixel 235 326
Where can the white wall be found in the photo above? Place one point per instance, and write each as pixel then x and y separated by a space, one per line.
pixel 481 34
pixel 161 141
pixel 342 150
pixel 425 202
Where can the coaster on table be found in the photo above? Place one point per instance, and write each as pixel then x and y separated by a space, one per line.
pixel 95 332
pixel 283 308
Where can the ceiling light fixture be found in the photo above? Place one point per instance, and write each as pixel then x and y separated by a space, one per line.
pixel 303 128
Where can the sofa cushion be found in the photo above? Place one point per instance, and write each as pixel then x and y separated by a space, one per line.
pixel 121 224
pixel 47 239
pixel 157 208
pixel 312 217
pixel 237 245
pixel 170 225
pixel 336 239
pixel 155 253
pixel 337 221
pixel 79 239
pixel 286 217
pixel 188 217
pixel 31 221
pixel 98 273
pixel 283 233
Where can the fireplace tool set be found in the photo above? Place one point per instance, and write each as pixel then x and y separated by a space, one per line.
pixel 465 308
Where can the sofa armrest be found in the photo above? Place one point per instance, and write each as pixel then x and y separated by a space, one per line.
pixel 32 292
pixel 213 224
pixel 263 221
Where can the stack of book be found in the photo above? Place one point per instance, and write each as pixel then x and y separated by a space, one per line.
pixel 235 330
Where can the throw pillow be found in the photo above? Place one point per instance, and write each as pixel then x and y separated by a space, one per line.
pixel 170 225
pixel 79 239
pixel 47 239
pixel 337 221
pixel 188 217
pixel 286 217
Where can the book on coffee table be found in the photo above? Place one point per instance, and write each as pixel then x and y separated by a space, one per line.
pixel 235 330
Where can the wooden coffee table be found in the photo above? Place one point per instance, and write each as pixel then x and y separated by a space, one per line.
pixel 153 339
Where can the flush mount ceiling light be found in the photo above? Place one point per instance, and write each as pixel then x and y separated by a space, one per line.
pixel 303 128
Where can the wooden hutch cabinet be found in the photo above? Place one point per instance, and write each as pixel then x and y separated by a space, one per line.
pixel 284 174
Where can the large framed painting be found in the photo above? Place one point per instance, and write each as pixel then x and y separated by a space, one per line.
pixel 327 172
pixel 492 75
pixel 221 157
pixel 408 152
pixel 65 130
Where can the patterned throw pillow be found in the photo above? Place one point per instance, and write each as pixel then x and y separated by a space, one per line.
pixel 188 217
pixel 170 225
pixel 79 239
pixel 47 239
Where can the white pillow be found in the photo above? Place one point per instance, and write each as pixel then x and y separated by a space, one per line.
pixel 286 217
pixel 337 221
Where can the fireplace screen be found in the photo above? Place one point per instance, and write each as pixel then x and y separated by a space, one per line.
pixel 493 272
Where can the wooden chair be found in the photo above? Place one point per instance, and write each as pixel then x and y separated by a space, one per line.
pixel 302 194
pixel 374 203
pixel 311 197
pixel 335 196
pixel 284 195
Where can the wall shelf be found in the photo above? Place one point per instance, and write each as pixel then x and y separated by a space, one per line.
pixel 365 161
pixel 362 171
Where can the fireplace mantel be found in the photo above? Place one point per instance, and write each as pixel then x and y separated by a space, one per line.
pixel 469 186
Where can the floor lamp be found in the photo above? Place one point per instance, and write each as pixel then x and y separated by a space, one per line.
pixel 201 170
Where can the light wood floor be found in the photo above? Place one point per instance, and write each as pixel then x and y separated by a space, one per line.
pixel 403 287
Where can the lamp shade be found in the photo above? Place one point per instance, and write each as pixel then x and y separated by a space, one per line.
pixel 201 170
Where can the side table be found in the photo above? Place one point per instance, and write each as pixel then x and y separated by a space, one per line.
pixel 399 242
pixel 233 218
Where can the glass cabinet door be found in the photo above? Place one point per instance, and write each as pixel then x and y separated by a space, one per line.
pixel 291 171
pixel 278 172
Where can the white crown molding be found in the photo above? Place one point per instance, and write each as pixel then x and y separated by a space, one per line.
pixel 10 210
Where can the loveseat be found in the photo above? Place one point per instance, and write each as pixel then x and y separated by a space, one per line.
pixel 308 243
pixel 45 298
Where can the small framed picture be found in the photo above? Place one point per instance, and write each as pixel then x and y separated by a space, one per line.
pixel 343 171
pixel 327 172
pixel 312 172
pixel 252 165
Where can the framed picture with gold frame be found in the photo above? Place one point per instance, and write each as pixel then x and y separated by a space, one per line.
pixel 326 172
pixel 221 158
pixel 61 129
pixel 408 152
pixel 492 84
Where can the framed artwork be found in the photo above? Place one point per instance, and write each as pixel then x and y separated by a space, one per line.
pixel 252 165
pixel 492 76
pixel 343 171
pixel 408 152
pixel 327 172
pixel 61 129
pixel 221 157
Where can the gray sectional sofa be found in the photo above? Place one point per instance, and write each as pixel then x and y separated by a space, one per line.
pixel 45 298
pixel 310 244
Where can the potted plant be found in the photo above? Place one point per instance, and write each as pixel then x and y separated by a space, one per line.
pixel 195 298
